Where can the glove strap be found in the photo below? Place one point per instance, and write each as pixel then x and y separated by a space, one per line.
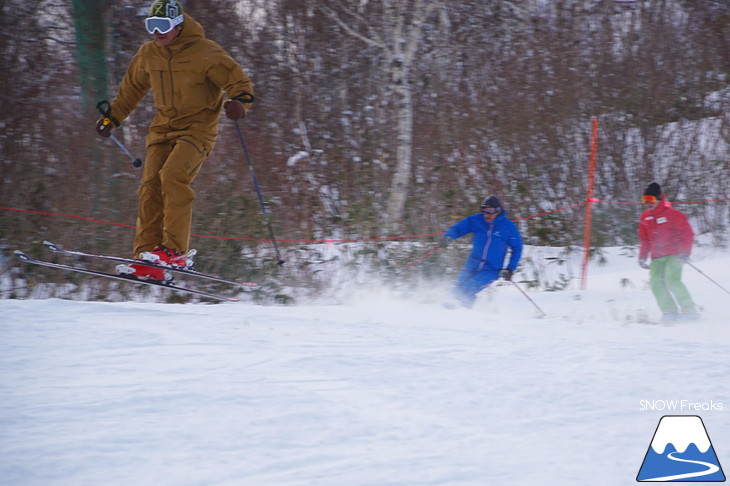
pixel 244 97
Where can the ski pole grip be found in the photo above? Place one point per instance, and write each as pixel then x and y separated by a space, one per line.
pixel 105 108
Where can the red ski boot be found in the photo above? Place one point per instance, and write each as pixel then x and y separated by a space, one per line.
pixel 169 257
pixel 143 272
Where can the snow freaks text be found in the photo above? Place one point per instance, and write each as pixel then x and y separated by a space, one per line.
pixel 680 406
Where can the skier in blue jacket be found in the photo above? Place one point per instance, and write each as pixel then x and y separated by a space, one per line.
pixel 493 236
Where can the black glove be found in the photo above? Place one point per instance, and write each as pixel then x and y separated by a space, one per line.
pixel 104 126
pixel 445 242
pixel 684 258
pixel 234 110
pixel 506 274
pixel 643 264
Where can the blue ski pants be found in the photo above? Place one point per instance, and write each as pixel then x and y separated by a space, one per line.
pixel 470 282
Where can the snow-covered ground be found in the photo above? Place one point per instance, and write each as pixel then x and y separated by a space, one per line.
pixel 380 389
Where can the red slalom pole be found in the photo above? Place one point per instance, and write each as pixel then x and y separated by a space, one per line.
pixel 589 206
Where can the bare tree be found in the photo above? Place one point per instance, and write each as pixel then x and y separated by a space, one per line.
pixel 398 36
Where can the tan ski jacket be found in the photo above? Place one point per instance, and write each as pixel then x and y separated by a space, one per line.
pixel 187 78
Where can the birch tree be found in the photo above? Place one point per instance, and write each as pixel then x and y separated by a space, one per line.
pixel 395 27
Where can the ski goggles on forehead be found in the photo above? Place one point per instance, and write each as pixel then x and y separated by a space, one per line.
pixel 490 210
pixel 648 199
pixel 163 25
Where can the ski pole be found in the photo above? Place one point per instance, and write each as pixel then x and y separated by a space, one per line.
pixel 542 312
pixel 707 277
pixel 135 162
pixel 422 257
pixel 265 212
pixel 107 120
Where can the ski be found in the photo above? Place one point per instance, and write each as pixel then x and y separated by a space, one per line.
pixel 57 249
pixel 156 283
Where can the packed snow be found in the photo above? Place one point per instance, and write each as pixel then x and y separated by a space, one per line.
pixel 381 388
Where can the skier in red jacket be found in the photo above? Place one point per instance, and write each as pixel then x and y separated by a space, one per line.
pixel 666 236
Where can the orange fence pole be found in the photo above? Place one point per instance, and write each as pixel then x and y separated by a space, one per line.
pixel 589 205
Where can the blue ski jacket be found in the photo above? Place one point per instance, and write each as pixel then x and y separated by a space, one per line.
pixel 490 242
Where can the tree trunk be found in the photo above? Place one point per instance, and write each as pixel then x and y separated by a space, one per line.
pixel 404 150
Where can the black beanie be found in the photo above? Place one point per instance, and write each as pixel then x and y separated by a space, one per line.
pixel 492 201
pixel 653 189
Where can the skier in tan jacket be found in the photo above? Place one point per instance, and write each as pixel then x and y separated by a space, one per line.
pixel 187 74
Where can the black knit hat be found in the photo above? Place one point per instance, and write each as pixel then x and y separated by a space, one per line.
pixel 654 189
pixel 492 201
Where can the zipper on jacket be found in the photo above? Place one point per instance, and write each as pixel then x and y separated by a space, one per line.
pixel 171 54
pixel 486 247
pixel 172 82
pixel 162 83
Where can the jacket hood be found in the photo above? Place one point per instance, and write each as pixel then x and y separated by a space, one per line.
pixel 663 202
pixel 191 32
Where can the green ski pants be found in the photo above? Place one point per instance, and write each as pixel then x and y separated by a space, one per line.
pixel 665 279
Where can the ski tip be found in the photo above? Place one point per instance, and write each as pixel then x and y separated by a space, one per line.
pixel 50 246
pixel 21 254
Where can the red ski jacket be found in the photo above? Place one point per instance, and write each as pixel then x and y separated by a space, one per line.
pixel 664 231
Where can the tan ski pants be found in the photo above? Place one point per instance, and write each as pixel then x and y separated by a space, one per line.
pixel 165 197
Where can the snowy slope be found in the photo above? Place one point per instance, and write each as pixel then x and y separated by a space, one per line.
pixel 379 390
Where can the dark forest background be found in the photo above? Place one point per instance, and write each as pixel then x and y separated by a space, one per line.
pixel 375 119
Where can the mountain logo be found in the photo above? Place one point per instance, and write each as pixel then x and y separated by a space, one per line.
pixel 680 451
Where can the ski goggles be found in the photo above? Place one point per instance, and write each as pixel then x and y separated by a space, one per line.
pixel 490 210
pixel 163 25
pixel 648 199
